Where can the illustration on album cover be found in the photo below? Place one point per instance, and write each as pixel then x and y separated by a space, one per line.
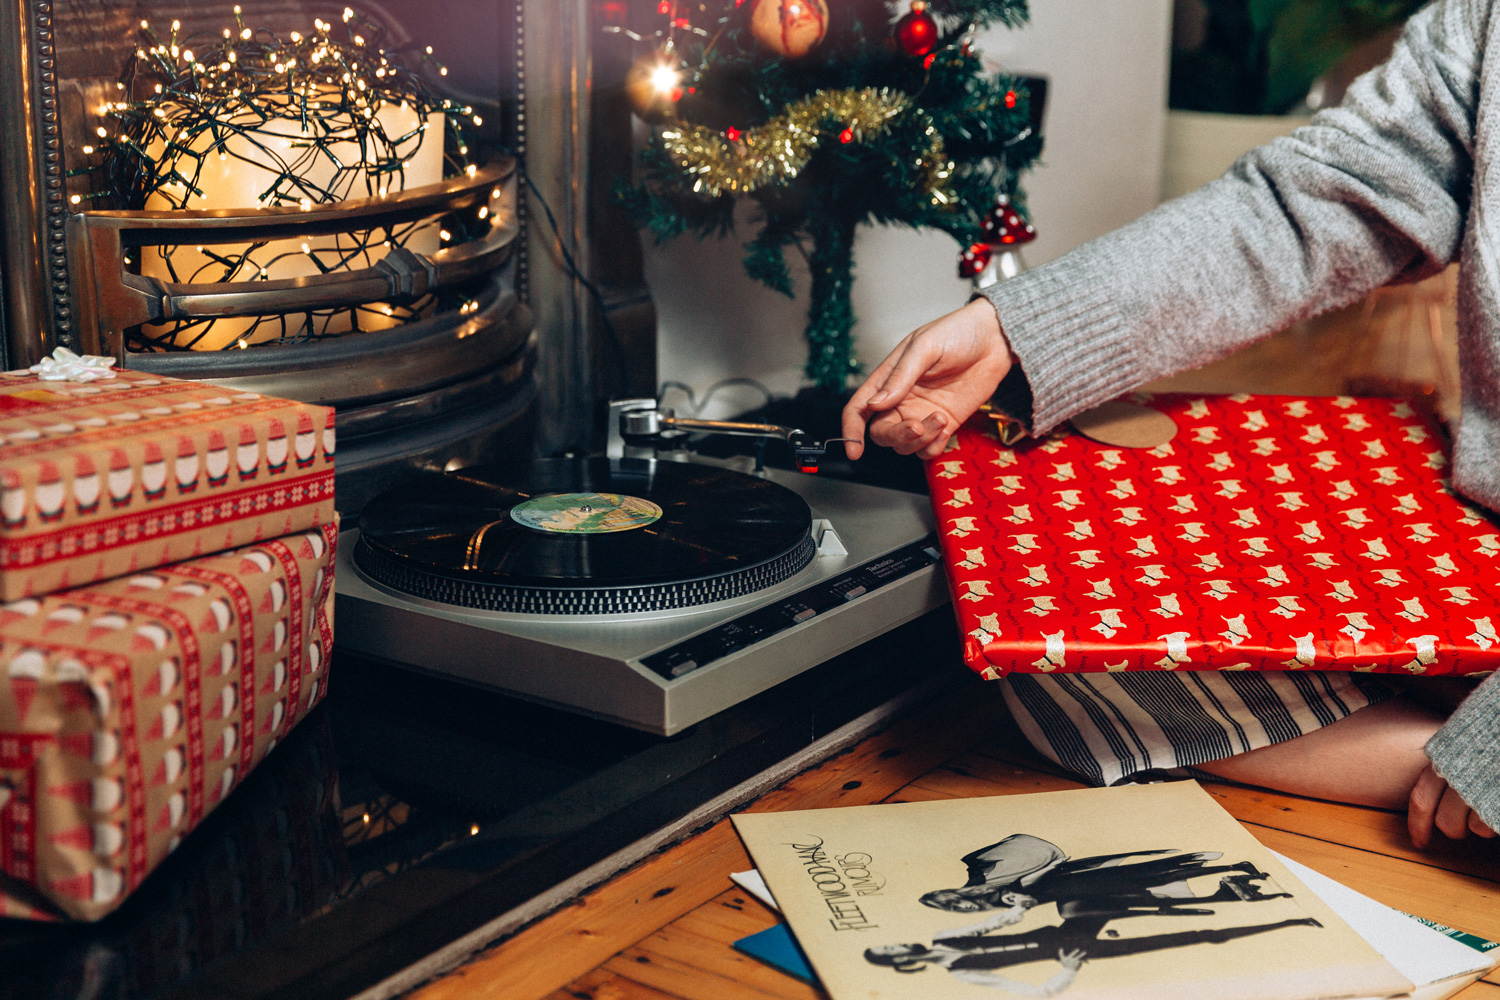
pixel 1136 892
pixel 1022 873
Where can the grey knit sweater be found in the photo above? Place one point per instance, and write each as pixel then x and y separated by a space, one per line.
pixel 1399 181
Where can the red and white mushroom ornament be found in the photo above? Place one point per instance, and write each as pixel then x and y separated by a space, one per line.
pixel 998 257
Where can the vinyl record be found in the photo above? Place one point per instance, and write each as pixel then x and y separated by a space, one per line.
pixel 585 536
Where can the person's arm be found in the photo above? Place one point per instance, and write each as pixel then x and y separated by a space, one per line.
pixel 1459 793
pixel 1071 960
pixel 1003 918
pixel 1373 191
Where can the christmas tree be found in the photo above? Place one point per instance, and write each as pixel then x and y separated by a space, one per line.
pixel 827 115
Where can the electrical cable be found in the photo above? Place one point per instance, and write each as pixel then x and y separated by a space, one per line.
pixel 697 406
pixel 611 338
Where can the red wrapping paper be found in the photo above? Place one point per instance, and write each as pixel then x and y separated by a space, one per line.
pixel 1273 533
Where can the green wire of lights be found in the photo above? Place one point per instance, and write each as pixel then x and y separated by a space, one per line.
pixel 242 95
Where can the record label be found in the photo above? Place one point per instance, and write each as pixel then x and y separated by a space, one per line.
pixel 585 513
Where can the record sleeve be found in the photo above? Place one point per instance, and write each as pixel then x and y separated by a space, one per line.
pixel 1140 892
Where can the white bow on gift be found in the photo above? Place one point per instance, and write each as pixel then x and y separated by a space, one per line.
pixel 65 366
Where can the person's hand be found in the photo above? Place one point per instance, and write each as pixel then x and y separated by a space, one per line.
pixel 1072 959
pixel 1434 804
pixel 930 384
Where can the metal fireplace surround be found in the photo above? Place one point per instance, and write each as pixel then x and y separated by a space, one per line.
pixel 513 374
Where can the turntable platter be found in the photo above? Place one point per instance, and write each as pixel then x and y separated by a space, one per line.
pixel 585 536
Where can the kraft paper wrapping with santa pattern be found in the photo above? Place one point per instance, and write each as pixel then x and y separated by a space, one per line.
pixel 116 476
pixel 130 708
pixel 1272 533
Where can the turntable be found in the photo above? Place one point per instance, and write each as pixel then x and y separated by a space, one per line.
pixel 646 587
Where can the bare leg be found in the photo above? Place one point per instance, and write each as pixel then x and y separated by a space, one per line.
pixel 1370 758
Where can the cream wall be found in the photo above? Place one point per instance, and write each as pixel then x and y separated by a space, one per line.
pixel 1106 61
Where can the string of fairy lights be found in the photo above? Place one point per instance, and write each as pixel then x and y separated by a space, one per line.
pixel 311 119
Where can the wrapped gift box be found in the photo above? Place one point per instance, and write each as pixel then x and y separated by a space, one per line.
pixel 1272 533
pixel 130 708
pixel 274 854
pixel 120 475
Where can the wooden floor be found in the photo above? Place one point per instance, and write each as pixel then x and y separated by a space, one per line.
pixel 663 929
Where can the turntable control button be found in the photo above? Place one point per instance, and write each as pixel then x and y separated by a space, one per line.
pixel 858 590
pixel 803 615
pixel 685 666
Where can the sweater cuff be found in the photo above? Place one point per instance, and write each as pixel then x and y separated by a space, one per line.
pixel 1071 340
pixel 1466 751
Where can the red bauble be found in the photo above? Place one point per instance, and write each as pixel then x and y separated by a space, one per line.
pixel 917 32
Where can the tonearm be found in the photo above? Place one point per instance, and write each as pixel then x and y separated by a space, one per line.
pixel 638 427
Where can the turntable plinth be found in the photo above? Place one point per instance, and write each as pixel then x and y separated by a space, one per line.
pixel 666 668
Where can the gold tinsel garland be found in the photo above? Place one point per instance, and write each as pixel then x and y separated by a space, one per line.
pixel 776 151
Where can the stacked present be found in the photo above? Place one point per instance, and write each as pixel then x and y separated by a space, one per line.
pixel 166 553
pixel 1271 533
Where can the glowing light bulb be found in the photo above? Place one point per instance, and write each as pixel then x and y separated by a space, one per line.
pixel 75 199
pixel 664 79
pixel 176 25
